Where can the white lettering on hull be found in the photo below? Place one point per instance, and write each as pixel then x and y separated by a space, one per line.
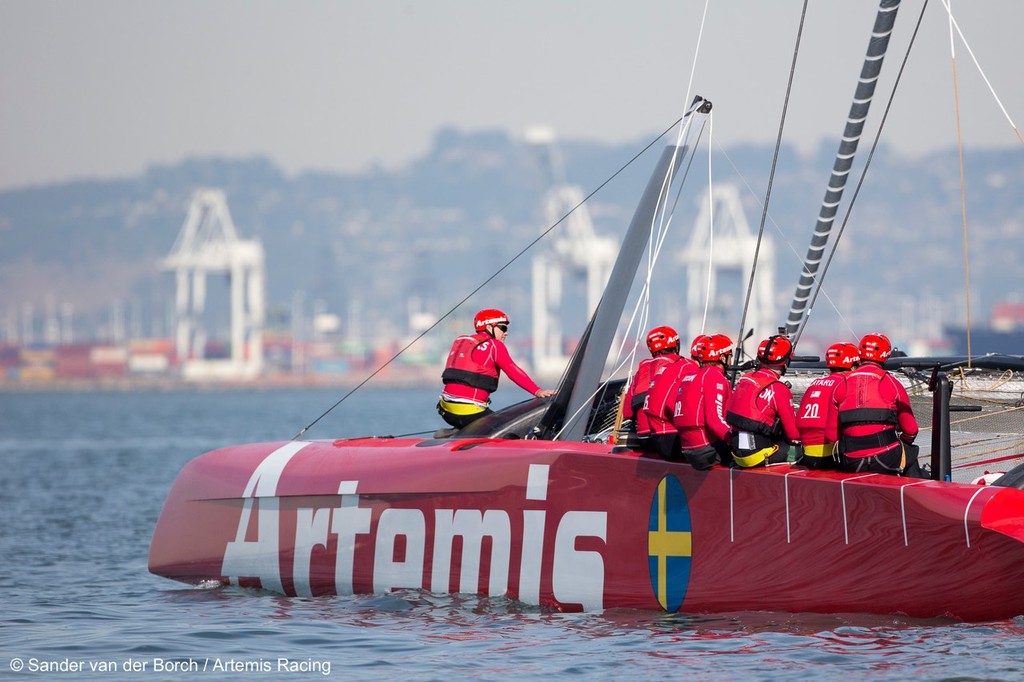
pixel 310 532
pixel 471 526
pixel 259 558
pixel 349 521
pixel 391 572
pixel 400 542
pixel 578 577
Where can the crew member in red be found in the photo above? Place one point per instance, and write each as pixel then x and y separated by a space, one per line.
pixel 474 365
pixel 876 427
pixel 760 409
pixel 818 407
pixel 663 343
pixel 700 405
pixel 660 405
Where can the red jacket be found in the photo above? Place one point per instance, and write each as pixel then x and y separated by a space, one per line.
pixel 646 372
pixel 762 404
pixel 700 408
pixel 661 399
pixel 818 409
pixel 475 359
pixel 872 404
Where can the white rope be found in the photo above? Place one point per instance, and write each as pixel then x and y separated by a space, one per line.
pixel 711 230
pixel 953 24
pixel 658 234
pixel 660 223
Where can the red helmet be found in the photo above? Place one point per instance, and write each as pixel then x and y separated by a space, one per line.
pixel 489 316
pixel 775 350
pixel 697 345
pixel 875 347
pixel 662 338
pixel 841 355
pixel 713 348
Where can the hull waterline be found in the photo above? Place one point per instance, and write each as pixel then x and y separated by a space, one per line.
pixel 576 526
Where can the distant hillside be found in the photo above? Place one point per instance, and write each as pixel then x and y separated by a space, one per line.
pixel 375 247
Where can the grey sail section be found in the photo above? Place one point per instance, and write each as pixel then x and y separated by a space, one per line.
pixel 879 43
pixel 609 311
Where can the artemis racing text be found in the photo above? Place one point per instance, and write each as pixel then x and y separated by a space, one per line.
pixel 401 536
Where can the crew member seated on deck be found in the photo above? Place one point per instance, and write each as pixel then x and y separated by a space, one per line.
pixel 474 365
pixel 660 404
pixel 760 410
pixel 818 408
pixel 875 429
pixel 663 343
pixel 699 415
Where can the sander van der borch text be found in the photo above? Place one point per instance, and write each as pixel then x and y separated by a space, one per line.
pixel 173 665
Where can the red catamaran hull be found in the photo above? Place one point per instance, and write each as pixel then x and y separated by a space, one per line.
pixel 574 526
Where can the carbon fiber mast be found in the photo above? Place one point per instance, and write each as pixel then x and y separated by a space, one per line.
pixel 879 43
pixel 583 374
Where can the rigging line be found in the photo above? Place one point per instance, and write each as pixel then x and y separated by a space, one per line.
pixel 693 66
pixel 667 183
pixel 786 241
pixel 711 233
pixel 853 129
pixel 663 211
pixel 658 238
pixel 782 235
pixel 658 228
pixel 671 213
pixel 666 224
pixel 587 403
pixel 640 309
pixel 487 281
pixel 963 183
pixel 771 176
pixel 778 229
pixel 977 65
pixel 683 131
pixel 819 278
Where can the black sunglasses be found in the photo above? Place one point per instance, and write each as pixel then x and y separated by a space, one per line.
pixel 502 327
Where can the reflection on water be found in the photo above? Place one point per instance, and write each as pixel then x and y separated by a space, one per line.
pixel 84 479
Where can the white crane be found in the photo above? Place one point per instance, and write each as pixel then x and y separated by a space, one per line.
pixel 208 244
pixel 577 250
pixel 722 243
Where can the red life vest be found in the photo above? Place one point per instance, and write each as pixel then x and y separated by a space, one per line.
pixel 700 408
pixel 815 405
pixel 461 368
pixel 646 372
pixel 687 412
pixel 742 411
pixel 864 403
pixel 661 399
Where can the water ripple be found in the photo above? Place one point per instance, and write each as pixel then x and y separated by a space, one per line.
pixel 80 505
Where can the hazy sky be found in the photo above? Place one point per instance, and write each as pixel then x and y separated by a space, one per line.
pixel 104 88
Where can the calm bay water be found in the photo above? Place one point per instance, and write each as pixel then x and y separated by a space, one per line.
pixel 84 476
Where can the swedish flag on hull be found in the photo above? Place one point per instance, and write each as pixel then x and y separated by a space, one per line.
pixel 669 543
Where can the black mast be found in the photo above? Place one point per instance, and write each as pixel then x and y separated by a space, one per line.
pixel 879 43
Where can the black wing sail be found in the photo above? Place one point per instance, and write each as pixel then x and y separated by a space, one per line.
pixel 576 391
